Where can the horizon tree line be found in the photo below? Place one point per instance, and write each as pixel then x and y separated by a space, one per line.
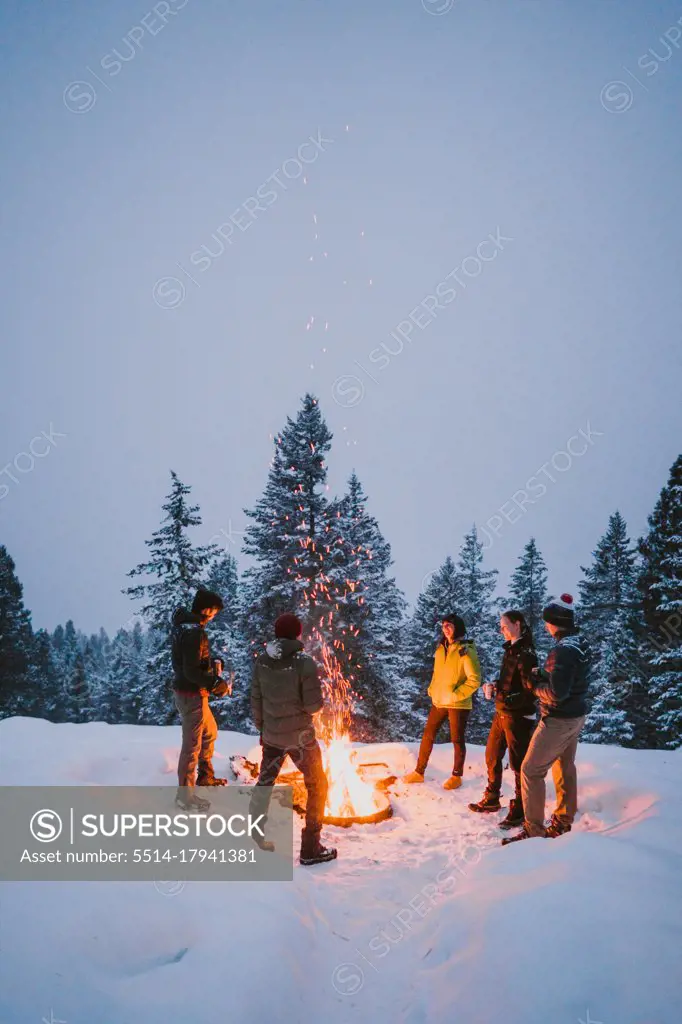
pixel 328 560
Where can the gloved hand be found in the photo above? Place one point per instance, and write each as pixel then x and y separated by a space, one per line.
pixel 221 688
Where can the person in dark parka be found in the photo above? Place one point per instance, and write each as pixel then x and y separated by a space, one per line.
pixel 195 678
pixel 515 716
pixel 285 694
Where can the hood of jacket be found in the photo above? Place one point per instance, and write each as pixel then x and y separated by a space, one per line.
pixel 282 647
pixel 182 617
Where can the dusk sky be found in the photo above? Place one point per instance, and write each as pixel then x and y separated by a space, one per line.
pixel 488 188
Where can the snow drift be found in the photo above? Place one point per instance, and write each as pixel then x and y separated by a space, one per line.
pixel 423 917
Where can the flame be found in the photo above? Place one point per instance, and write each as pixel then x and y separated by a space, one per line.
pixel 348 795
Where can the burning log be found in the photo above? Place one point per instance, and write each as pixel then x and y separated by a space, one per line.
pixel 375 777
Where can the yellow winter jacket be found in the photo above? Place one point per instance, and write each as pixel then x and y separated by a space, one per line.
pixel 456 675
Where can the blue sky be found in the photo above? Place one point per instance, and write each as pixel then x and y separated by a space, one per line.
pixel 552 125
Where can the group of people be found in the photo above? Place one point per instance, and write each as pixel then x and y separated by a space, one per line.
pixel 539 713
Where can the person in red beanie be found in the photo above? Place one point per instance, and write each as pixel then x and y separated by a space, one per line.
pixel 285 694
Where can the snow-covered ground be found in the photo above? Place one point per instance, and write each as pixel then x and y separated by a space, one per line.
pixel 423 918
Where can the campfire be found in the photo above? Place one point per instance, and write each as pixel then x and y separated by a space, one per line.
pixel 357 791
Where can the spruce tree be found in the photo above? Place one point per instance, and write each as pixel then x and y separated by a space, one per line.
pixel 607 614
pixel 660 586
pixel 46 697
pixel 176 569
pixel 368 613
pixel 528 592
pixel 440 597
pixel 479 609
pixel 77 703
pixel 290 523
pixel 15 641
pixel 229 643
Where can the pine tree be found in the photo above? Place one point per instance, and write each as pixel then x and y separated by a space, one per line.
pixel 528 592
pixel 177 569
pixel 77 703
pixel 229 643
pixel 479 609
pixel 368 613
pixel 129 673
pixel 15 641
pixel 440 597
pixel 289 527
pixel 660 585
pixel 607 613
pixel 45 685
pixel 612 681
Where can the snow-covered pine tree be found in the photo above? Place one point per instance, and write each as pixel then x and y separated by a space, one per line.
pixel 16 639
pixel 46 697
pixel 368 615
pixel 441 596
pixel 177 568
pixel 288 530
pixel 104 696
pixel 612 682
pixel 77 703
pixel 528 592
pixel 479 609
pixel 660 585
pixel 229 643
pixel 129 675
pixel 607 614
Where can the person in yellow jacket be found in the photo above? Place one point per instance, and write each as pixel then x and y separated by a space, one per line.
pixel 456 677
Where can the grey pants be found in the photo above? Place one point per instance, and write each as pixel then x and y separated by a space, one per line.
pixel 554 745
pixel 199 733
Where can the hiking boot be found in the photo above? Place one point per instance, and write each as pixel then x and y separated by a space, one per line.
pixel 514 817
pixel 487 805
pixel 210 780
pixel 263 844
pixel 189 801
pixel 557 828
pixel 319 855
pixel 517 838
pixel 412 777
pixel 454 782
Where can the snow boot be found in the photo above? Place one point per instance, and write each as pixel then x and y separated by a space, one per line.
pixel 454 782
pixel 557 828
pixel 514 817
pixel 263 844
pixel 517 838
pixel 210 780
pixel 487 805
pixel 189 801
pixel 414 776
pixel 319 855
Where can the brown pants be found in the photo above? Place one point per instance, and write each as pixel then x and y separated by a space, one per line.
pixel 199 733
pixel 554 746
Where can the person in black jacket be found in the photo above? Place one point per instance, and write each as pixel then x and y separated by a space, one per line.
pixel 195 677
pixel 515 716
pixel 561 689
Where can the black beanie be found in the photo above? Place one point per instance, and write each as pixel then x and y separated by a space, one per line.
pixel 560 612
pixel 458 622
pixel 206 599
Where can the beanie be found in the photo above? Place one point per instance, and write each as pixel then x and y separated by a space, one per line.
pixel 458 622
pixel 288 627
pixel 206 599
pixel 560 612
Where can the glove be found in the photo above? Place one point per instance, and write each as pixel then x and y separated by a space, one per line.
pixel 221 688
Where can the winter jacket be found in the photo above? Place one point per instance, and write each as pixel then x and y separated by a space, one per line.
pixel 285 694
pixel 514 688
pixel 456 674
pixel 191 655
pixel 561 686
